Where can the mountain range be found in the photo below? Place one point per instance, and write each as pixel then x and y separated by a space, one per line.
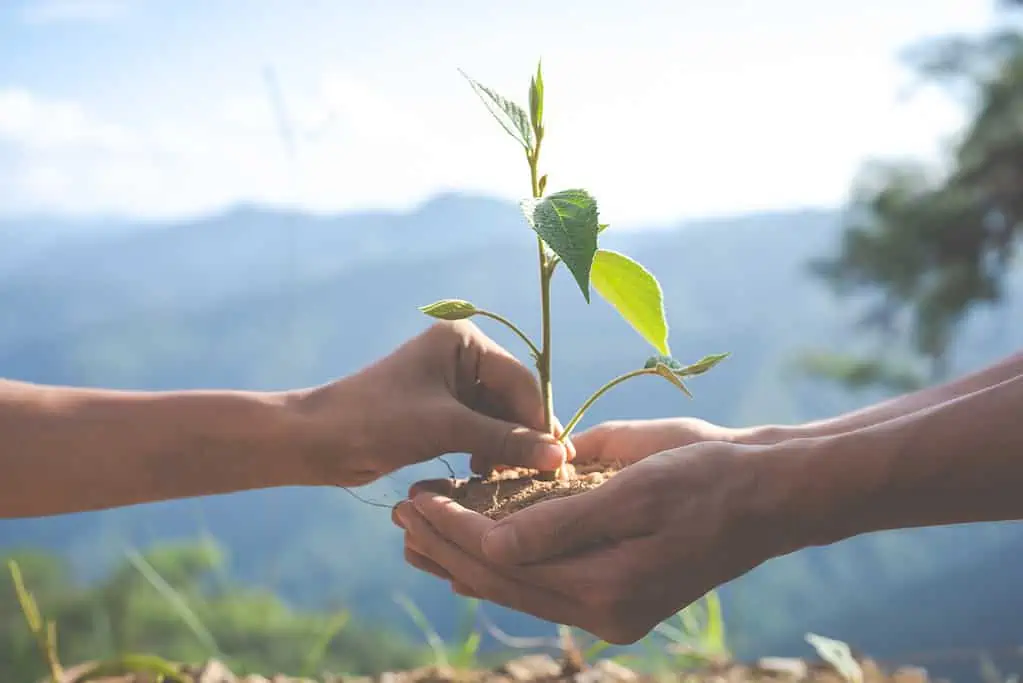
pixel 260 298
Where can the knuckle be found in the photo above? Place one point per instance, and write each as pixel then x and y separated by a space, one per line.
pixel 514 448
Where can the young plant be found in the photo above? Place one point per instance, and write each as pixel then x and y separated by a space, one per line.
pixel 567 228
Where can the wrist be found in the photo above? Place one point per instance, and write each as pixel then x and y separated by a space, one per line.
pixel 330 429
pixel 822 499
pixel 798 494
pixel 260 435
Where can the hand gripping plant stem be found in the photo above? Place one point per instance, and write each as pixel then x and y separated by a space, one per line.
pixel 567 227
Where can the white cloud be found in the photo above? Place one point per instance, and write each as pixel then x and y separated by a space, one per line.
pixel 39 12
pixel 356 149
pixel 40 126
pixel 707 142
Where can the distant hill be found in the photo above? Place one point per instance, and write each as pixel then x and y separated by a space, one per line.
pixel 256 298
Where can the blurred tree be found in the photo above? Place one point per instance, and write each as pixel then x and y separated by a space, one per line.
pixel 923 246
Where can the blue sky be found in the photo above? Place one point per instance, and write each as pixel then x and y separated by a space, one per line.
pixel 664 109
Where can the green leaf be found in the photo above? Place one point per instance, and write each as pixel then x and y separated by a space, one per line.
pixel 665 370
pixel 542 184
pixel 698 368
pixel 635 294
pixel 510 115
pixel 666 361
pixel 673 371
pixel 602 227
pixel 568 221
pixel 536 100
pixel 704 364
pixel 450 309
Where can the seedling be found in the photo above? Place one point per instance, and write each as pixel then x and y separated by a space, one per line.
pixel 567 227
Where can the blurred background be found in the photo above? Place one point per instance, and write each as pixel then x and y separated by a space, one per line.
pixel 259 195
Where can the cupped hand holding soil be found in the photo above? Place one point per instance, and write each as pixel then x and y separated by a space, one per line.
pixel 616 556
pixel 608 447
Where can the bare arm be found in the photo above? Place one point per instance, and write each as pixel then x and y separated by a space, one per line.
pixel 877 413
pixel 956 462
pixel 67 450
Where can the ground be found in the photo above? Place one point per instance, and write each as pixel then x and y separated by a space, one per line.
pixel 547 669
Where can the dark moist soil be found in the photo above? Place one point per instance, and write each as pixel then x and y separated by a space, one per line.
pixel 501 493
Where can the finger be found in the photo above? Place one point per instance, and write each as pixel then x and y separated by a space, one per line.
pixel 442 487
pixel 503 443
pixel 425 564
pixel 481 580
pixel 591 444
pixel 485 463
pixel 558 430
pixel 459 525
pixel 511 385
pixel 464 590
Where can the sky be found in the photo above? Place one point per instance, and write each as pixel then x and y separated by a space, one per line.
pixel 663 109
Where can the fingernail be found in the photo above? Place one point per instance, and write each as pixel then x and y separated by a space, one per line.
pixel 549 454
pixel 501 544
pixel 401 512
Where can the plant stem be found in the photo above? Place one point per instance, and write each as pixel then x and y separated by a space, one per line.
pixel 513 327
pixel 600 392
pixel 544 363
pixel 543 358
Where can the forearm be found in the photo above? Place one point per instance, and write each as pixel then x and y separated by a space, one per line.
pixel 878 413
pixel 69 450
pixel 956 462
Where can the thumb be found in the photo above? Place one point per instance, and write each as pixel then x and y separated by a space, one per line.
pixel 498 442
pixel 560 527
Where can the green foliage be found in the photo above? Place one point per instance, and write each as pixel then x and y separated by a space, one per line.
pixel 859 373
pixel 567 225
pixel 668 364
pixel 567 222
pixel 507 113
pixel 162 670
pixel 450 309
pixel 43 632
pixel 464 654
pixel 318 652
pixel 675 372
pixel 460 656
pixel 927 245
pixel 252 631
pixel 536 102
pixel 433 639
pixel 634 293
pixel 697 633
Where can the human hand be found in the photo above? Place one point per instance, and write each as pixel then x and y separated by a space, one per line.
pixel 619 559
pixel 450 389
pixel 627 441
